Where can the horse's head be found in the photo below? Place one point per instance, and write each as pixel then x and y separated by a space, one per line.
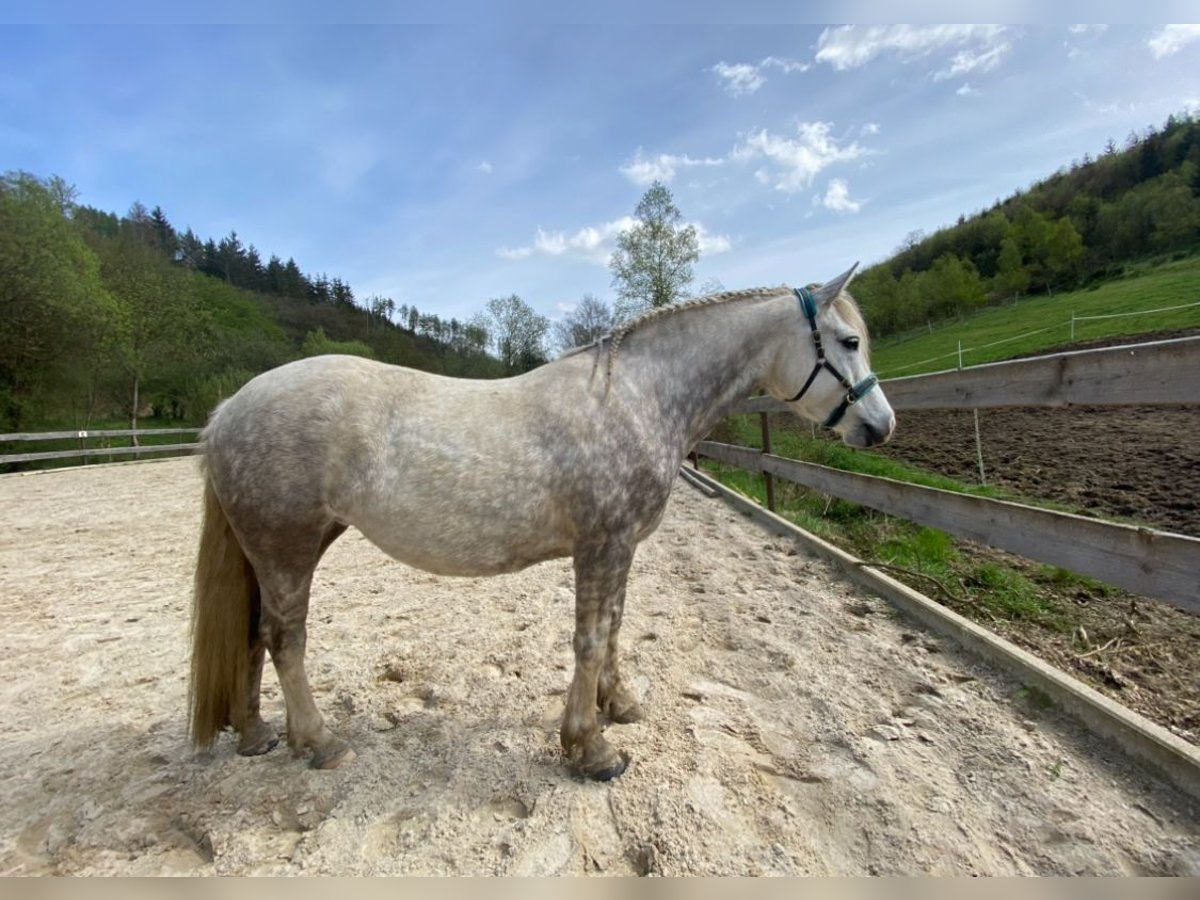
pixel 824 369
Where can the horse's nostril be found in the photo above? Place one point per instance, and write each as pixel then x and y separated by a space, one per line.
pixel 875 435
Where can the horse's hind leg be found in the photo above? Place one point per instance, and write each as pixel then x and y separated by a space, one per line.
pixel 257 736
pixel 285 591
pixel 612 696
pixel 284 612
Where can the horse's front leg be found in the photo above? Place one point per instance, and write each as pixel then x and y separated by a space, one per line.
pixel 601 569
pixel 612 696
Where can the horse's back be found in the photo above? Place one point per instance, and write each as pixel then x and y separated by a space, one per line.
pixel 452 475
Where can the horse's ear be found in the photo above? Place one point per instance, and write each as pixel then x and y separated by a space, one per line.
pixel 830 289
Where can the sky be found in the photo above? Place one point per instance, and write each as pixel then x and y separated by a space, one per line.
pixel 443 165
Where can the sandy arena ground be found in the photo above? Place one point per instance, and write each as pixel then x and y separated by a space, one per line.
pixel 795 725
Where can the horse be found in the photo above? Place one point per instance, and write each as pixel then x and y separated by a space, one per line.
pixel 473 477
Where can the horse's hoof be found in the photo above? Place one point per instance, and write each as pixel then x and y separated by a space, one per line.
pixel 627 714
pixel 610 772
pixel 331 756
pixel 258 748
pixel 257 741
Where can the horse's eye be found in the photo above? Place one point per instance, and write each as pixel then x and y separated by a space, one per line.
pixel 850 343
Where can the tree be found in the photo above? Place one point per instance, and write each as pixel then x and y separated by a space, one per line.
pixel 53 307
pixel 164 234
pixel 317 343
pixel 1173 210
pixel 1011 276
pixel 138 223
pixel 589 321
pixel 890 304
pixel 191 251
pixel 229 257
pixel 652 265
pixel 951 286
pixel 1064 250
pixel 381 308
pixel 160 327
pixel 911 241
pixel 518 333
pixel 63 193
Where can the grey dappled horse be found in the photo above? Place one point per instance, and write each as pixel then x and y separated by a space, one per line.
pixel 460 477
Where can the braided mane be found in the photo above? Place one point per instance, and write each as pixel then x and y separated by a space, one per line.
pixel 618 334
pixel 844 303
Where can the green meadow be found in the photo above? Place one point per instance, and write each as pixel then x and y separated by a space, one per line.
pixel 1042 322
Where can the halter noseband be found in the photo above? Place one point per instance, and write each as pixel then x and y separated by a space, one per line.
pixel 854 392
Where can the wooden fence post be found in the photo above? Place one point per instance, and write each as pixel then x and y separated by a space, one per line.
pixel 768 478
pixel 978 438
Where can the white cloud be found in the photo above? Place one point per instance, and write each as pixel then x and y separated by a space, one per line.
pixel 642 170
pixel 711 244
pixel 1172 38
pixel 837 197
pixel 742 79
pixel 739 79
pixel 980 60
pixel 794 162
pixel 851 46
pixel 595 243
pixel 787 66
pixel 869 129
pixel 966 90
pixel 485 167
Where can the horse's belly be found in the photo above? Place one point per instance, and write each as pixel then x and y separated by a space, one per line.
pixel 443 549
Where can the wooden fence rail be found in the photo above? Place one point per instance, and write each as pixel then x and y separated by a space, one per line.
pixel 1142 560
pixel 1146 561
pixel 1154 373
pixel 85 435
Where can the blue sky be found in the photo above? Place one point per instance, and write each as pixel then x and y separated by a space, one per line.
pixel 444 165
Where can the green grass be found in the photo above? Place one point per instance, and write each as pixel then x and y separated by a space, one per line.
pixel 790 441
pixel 1145 286
pixel 925 558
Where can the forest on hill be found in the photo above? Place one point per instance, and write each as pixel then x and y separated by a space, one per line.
pixel 1081 225
pixel 108 316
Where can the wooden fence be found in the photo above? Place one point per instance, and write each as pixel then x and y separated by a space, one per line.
pixel 1154 563
pixel 84 436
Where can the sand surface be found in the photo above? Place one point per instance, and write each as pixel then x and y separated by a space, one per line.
pixel 795 724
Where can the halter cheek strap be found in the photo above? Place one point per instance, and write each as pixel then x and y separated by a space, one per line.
pixel 854 392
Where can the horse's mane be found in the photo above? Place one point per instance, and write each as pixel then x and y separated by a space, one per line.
pixel 843 302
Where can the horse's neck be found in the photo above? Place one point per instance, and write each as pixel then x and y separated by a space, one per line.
pixel 696 365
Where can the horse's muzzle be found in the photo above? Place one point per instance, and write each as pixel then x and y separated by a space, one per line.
pixel 865 434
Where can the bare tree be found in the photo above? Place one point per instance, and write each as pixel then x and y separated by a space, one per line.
pixel 518 333
pixel 589 321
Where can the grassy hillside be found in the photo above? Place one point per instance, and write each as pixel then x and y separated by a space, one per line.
pixel 1036 323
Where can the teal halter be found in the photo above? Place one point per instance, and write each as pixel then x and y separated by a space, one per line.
pixel 854 392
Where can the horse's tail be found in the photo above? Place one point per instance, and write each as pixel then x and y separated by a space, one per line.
pixel 225 607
